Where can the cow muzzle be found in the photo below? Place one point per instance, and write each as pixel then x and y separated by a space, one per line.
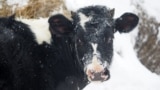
pixel 96 71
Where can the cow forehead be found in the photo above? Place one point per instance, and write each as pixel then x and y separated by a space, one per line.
pixel 94 23
pixel 97 27
pixel 95 10
pixel 94 14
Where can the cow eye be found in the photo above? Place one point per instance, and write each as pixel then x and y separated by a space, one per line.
pixel 79 42
pixel 109 40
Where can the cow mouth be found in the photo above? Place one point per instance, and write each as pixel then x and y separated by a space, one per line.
pixel 98 76
pixel 96 71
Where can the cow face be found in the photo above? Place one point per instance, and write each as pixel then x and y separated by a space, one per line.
pixel 95 27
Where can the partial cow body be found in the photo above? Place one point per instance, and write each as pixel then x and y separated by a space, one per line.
pixel 30 60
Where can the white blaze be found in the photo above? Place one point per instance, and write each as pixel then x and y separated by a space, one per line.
pixel 94 46
pixel 95 64
pixel 83 20
pixel 95 59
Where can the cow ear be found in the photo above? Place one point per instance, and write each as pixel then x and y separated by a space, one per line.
pixel 10 19
pixel 126 23
pixel 72 14
pixel 112 12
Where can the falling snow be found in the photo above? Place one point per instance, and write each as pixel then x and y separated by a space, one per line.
pixel 127 73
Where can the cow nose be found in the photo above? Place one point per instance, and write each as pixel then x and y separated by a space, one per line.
pixel 97 72
pixel 107 73
pixel 103 75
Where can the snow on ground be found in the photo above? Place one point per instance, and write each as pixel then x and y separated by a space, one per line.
pixel 127 73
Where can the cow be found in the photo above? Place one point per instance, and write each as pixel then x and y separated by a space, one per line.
pixel 37 55
pixel 94 34
pixel 60 54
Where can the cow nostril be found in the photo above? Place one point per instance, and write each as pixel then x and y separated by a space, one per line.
pixel 106 72
pixel 92 72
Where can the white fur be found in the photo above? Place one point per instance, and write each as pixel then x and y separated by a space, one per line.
pixel 83 20
pixel 94 46
pixel 40 27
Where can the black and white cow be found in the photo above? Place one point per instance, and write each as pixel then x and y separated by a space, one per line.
pixel 35 55
pixel 41 56
pixel 94 33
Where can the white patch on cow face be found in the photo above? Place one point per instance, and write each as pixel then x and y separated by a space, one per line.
pixel 95 54
pixel 83 20
pixel 40 28
pixel 94 46
pixel 96 64
pixel 96 69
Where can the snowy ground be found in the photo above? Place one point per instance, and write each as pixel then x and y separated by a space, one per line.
pixel 127 73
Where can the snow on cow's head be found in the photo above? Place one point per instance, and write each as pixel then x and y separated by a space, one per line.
pixel 95 28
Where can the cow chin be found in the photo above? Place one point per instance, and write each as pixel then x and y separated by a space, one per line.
pixel 96 71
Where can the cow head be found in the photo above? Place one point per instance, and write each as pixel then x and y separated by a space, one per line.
pixel 95 28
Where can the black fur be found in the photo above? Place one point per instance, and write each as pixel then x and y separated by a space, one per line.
pixel 27 65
